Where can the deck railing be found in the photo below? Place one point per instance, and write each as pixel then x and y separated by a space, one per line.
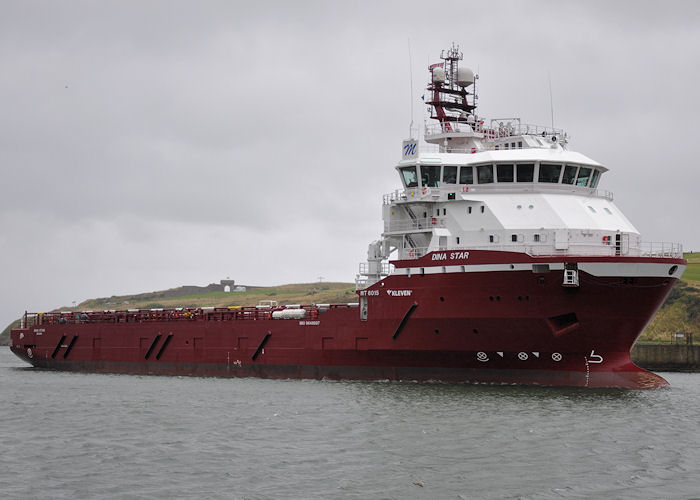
pixel 31 320
pixel 499 127
pixel 417 193
pixel 644 249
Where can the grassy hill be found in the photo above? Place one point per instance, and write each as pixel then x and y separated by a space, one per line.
pixel 680 313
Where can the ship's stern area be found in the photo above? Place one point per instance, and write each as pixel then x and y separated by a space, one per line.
pixel 23 344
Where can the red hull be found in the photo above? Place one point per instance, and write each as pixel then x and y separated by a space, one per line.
pixel 484 327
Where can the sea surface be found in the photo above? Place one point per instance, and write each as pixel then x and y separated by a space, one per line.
pixel 70 435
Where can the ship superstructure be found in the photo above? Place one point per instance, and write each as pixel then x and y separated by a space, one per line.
pixel 501 261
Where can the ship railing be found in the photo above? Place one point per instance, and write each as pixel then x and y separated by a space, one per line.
pixel 418 194
pixel 536 187
pixel 385 268
pixel 173 314
pixel 407 225
pixel 644 249
pixel 661 249
pixel 461 127
pixel 499 127
pixel 508 127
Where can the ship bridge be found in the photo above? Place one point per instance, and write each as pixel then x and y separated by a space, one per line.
pixel 503 186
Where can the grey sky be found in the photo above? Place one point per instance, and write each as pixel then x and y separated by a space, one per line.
pixel 146 145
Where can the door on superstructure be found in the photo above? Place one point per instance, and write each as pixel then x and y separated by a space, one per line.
pixel 561 239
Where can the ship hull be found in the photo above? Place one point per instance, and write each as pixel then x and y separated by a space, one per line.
pixel 502 327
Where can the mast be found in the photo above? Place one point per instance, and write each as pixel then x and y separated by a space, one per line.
pixel 450 100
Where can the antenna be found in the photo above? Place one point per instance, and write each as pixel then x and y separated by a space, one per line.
pixel 551 101
pixel 410 70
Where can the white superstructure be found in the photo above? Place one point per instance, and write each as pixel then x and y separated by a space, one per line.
pixel 503 186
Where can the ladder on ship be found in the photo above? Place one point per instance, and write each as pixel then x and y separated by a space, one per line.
pixel 570 278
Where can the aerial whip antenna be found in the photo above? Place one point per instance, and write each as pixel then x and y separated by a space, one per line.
pixel 410 70
pixel 551 101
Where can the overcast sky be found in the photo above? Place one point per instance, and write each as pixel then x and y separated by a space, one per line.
pixel 147 145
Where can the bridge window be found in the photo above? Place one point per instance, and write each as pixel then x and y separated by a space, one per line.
pixel 595 177
pixel 569 174
pixel 504 173
pixel 410 179
pixel 430 176
pixel 549 172
pixel 583 175
pixel 526 172
pixel 485 174
pixel 449 175
pixel 466 175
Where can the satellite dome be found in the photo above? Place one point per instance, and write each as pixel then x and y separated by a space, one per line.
pixel 438 75
pixel 465 77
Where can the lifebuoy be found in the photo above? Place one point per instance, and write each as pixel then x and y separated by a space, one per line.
pixel 425 190
pixel 412 253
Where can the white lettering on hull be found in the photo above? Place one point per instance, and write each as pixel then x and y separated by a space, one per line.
pixel 399 293
pixel 453 256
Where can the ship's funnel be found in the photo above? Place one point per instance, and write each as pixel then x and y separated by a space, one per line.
pixel 438 75
pixel 465 77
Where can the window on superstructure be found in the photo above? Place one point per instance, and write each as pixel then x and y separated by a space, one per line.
pixel 569 174
pixel 504 173
pixel 469 210
pixel 536 238
pixel 410 179
pixel 514 237
pixel 583 175
pixel 430 176
pixel 526 172
pixel 466 175
pixel 485 174
pixel 595 177
pixel 449 175
pixel 549 172
pixel 520 144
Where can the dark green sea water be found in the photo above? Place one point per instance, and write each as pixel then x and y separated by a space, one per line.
pixel 67 435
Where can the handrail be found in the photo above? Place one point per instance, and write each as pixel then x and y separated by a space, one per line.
pixel 408 225
pixel 170 314
pixel 519 187
pixel 500 127
pixel 643 249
